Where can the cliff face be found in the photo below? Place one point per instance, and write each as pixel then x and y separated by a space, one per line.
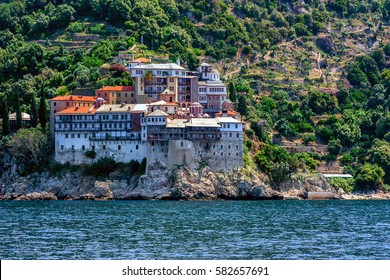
pixel 159 183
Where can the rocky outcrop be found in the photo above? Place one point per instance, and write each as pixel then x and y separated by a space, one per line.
pixel 326 44
pixel 161 183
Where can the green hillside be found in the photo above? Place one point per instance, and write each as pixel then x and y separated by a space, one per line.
pixel 310 76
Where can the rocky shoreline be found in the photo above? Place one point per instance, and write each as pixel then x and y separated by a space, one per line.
pixel 163 184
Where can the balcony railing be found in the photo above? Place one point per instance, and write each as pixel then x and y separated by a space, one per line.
pixel 110 138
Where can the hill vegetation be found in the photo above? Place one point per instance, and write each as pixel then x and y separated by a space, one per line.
pixel 311 76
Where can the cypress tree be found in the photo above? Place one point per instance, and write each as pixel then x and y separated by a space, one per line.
pixel 5 116
pixel 18 113
pixel 42 109
pixel 232 92
pixel 34 111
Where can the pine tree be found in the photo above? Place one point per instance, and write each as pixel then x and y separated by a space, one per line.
pixel 18 113
pixel 5 116
pixel 34 111
pixel 42 109
pixel 232 92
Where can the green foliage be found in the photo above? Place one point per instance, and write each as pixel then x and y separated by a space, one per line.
pixel 334 147
pixel 321 102
pixel 30 148
pixel 43 109
pixel 370 176
pixel 134 167
pixel 142 168
pixel 380 152
pixel 232 92
pixel 90 154
pixel 76 27
pixel 5 116
pixel 347 184
pixel 102 168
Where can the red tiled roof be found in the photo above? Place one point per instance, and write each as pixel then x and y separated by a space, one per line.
pixel 229 113
pixel 74 98
pixel 62 98
pixel 83 98
pixel 78 111
pixel 142 60
pixel 116 88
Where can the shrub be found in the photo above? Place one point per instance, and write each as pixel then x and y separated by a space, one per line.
pixel 347 184
pixel 101 168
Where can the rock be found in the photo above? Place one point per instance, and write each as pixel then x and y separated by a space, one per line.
pixel 340 191
pixel 37 196
pixel 326 44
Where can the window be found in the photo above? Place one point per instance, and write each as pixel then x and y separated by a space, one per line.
pixel 72 135
pixel 236 125
pixel 181 144
pixel 136 147
pixel 85 135
pixel 78 135
pixel 119 147
pixel 104 147
pixel 55 104
pixel 72 147
pixel 62 147
pixel 83 147
pixel 66 135
pixel 93 148
pixel 238 135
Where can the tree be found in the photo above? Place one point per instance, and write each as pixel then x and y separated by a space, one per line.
pixel 334 147
pixel 370 176
pixel 119 11
pixel 33 111
pixel 90 154
pixel 42 109
pixel 148 78
pixel 5 116
pixel 232 92
pixel 380 153
pixel 356 76
pixel 29 147
pixel 242 107
pixel 18 113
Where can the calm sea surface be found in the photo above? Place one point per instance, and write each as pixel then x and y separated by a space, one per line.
pixel 195 230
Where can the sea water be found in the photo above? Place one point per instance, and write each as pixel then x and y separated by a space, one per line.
pixel 195 230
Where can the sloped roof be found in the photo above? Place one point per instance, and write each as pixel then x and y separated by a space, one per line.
pixel 164 66
pixel 116 88
pixel 74 98
pixel 115 108
pixel 157 113
pixel 25 117
pixel 227 120
pixel 141 60
pixel 77 111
